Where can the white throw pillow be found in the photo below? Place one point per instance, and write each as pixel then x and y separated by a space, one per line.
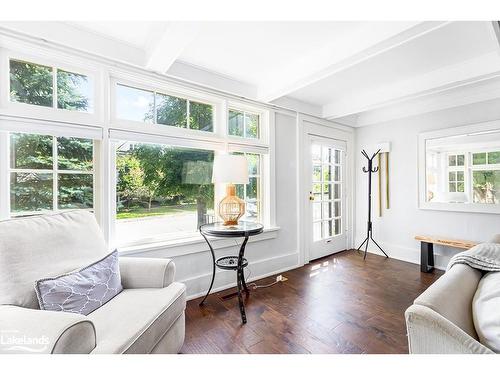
pixel 486 311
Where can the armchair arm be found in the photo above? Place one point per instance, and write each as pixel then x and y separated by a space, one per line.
pixel 146 272
pixel 430 333
pixel 24 330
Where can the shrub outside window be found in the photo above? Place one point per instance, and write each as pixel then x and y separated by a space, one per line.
pixel 251 192
pixel 34 84
pixel 162 191
pixel 50 173
pixel 243 124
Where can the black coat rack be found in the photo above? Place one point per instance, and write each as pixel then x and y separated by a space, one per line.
pixel 369 231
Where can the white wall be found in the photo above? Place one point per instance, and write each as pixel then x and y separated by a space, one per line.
pixel 396 229
pixel 265 257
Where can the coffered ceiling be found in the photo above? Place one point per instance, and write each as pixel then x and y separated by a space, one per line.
pixel 358 73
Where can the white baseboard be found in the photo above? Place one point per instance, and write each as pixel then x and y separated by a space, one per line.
pixel 197 286
pixel 406 254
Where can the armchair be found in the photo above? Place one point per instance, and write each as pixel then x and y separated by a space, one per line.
pixel 146 317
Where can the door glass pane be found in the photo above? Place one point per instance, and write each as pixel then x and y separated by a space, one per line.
pixel 327 154
pixel 75 154
pixel 30 151
pixel 338 211
pixel 327 192
pixel 30 191
pixel 317 231
pixel 338 228
pixel 336 191
pixel 31 83
pixel 316 174
pixel 327 172
pixel 74 92
pixel 171 111
pixel 336 175
pixel 75 191
pixel 327 229
pixel 201 116
pixel 327 210
pixel 316 153
pixel 134 104
pixel 317 211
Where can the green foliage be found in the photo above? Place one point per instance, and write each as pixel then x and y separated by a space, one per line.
pixel 32 84
pixel 67 91
pixel 170 111
pixel 75 154
pixel 31 151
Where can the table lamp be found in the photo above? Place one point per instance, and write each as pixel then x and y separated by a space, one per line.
pixel 230 170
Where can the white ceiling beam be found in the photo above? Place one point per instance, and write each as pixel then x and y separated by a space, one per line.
pixel 449 77
pixel 369 44
pixel 474 93
pixel 167 43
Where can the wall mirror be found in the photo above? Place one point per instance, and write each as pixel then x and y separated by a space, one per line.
pixel 459 169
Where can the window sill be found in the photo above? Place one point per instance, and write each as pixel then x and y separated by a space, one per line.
pixel 195 244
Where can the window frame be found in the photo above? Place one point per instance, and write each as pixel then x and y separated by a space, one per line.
pixel 50 113
pixel 23 117
pixel 423 203
pixel 161 129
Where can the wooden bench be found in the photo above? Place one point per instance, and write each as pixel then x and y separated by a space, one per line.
pixel 427 249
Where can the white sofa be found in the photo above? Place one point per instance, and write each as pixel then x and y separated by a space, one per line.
pixel 440 320
pixel 146 317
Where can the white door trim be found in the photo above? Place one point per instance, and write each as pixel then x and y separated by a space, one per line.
pixel 309 125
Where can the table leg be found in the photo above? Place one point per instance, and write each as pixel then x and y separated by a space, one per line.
pixel 213 269
pixel 426 257
pixel 240 280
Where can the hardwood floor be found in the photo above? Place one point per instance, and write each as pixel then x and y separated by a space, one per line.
pixel 337 304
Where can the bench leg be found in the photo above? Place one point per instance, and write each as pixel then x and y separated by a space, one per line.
pixel 426 257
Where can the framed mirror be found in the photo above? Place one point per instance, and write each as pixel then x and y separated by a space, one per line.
pixel 459 168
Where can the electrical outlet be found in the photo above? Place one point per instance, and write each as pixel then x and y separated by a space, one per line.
pixel 281 278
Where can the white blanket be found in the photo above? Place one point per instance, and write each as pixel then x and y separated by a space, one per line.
pixel 485 257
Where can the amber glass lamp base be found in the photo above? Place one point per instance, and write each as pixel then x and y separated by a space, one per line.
pixel 231 208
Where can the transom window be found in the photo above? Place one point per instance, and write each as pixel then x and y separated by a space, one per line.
pixel 152 107
pixel 243 124
pixel 50 173
pixel 52 87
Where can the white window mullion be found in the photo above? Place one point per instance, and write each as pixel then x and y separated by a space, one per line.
pixel 54 174
pixel 4 176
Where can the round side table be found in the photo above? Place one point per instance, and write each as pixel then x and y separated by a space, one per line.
pixel 238 263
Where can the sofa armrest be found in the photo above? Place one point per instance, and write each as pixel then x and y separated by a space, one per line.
pixel 430 333
pixel 28 331
pixel 146 272
pixel 451 296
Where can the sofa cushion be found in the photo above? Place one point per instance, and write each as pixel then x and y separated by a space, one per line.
pixel 486 311
pixel 81 291
pixel 35 247
pixel 136 319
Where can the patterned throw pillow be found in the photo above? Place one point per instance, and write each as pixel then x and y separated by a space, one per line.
pixel 81 291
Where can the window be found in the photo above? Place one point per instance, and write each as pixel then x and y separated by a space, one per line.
pixel 50 173
pixel 35 84
pixel 251 192
pixel 244 124
pixel 456 181
pixel 486 177
pixel 156 108
pixel 162 191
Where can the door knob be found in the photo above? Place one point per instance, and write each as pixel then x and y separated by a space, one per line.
pixel 311 196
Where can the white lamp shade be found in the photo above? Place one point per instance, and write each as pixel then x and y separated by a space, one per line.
pixel 232 169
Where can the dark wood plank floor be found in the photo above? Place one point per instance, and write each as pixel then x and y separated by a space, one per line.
pixel 338 304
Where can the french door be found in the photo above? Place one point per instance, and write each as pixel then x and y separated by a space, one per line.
pixel 327 197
